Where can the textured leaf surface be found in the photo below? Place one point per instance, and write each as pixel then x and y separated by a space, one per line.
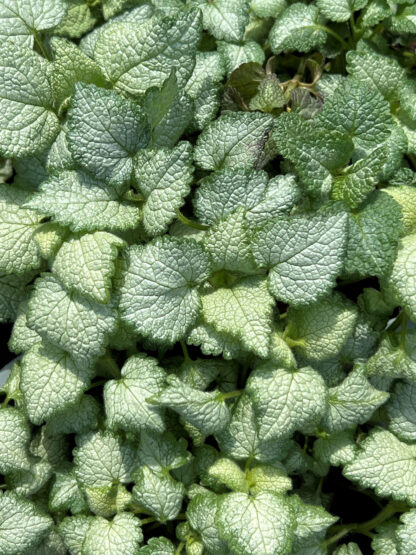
pixel 121 536
pixel 233 141
pixel 255 525
pixel 29 124
pixel 403 274
pixel 304 254
pixel 125 399
pixel 76 325
pixel 84 203
pixel 15 436
pixel 340 10
pixel 386 465
pixel 159 295
pixel 402 411
pixel 224 19
pixel 105 142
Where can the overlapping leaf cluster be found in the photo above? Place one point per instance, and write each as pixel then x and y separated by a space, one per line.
pixel 208 251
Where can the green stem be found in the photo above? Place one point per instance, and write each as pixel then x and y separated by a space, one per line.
pixel 147 520
pixel 6 402
pixel 189 222
pixel 96 384
pixel 352 25
pixel 185 352
pixel 110 364
pixel 412 158
pixel 41 46
pixel 232 394
pixel 180 548
pixel 3 486
pixel 333 34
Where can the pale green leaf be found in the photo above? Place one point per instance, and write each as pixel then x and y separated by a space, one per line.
pixel 125 399
pixel 267 8
pixel 19 252
pixel 84 203
pixel 86 264
pixel 29 124
pixel 258 525
pixel 19 21
pixel 158 492
pixel 12 293
pixel 106 141
pixel 22 525
pixel 337 449
pixel 406 533
pixel 405 196
pixel 169 112
pixel 286 400
pixel 401 410
pixel 243 311
pixel 312 521
pixel 200 514
pixel 163 177
pixel 340 10
pixel 224 19
pixel 102 459
pixel 305 255
pixel 73 530
pixel 269 95
pixel 299 27
pixel 137 57
pixel 76 419
pixel 159 296
pixel 67 320
pixel 403 274
pixel 215 343
pixel 158 546
pixel 120 536
pixel 162 452
pixel 78 20
pixel 51 381
pixel 66 494
pixel 386 465
pixel 395 357
pixel 319 331
pixel 226 471
pixel 15 436
pixel 352 402
pixel 268 478
pixel 234 55
pixel 207 411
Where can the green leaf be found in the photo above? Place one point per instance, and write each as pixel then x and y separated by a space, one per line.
pixel 163 177
pixel 268 478
pixel 158 546
pixel 403 277
pixel 316 152
pixel 255 525
pixel 243 311
pixel 241 440
pixel 106 501
pixel 305 255
pixel 405 195
pixel 207 411
pixel 402 412
pixel 404 20
pixel 385 539
pixel 86 264
pixel 267 8
pixel 319 331
pixel 106 141
pixel 169 111
pixel 234 55
pixel 159 296
pixel 84 203
pixel 12 293
pixel 269 96
pixel 285 401
pixel 77 419
pixel 299 27
pixel 22 525
pixel 162 452
pixel 158 492
pixel 352 402
pixel 66 494
pixel 312 521
pixel 214 343
pixel 376 71
pixel 20 22
pixel 228 243
pixel 29 124
pixel 373 234
pixel 73 530
pixel 18 247
pixel 224 19
pixel 234 140
pixel 79 19
pixel 67 320
pixel 227 472
pixel 71 65
pixel 125 399
pixel 406 533
pixel 337 449
pixel 394 358
pixel 386 465
pixel 102 459
pixel 224 191
pixel 200 513
pixel 137 57
pixel 43 395
pixel 358 111
pixel 340 10
pixel 121 536
pixel 15 436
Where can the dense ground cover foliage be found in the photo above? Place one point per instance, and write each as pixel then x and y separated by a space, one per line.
pixel 208 255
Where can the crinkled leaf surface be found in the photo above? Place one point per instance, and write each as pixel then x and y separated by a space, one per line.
pixel 120 536
pixel 14 441
pixel 403 274
pixel 224 19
